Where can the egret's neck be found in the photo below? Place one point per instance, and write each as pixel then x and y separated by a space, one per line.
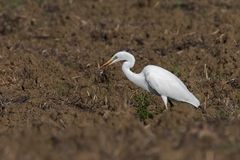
pixel 126 70
pixel 137 79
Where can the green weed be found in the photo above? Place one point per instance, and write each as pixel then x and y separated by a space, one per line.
pixel 179 3
pixel 16 3
pixel 40 2
pixel 142 102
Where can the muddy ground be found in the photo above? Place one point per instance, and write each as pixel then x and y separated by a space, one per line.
pixel 56 104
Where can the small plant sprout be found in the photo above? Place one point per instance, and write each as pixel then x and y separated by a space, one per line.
pixel 142 102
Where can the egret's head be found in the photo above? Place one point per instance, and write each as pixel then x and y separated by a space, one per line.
pixel 119 56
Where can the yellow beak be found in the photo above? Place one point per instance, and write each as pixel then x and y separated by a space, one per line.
pixel 107 63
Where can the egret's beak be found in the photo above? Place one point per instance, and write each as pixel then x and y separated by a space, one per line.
pixel 109 62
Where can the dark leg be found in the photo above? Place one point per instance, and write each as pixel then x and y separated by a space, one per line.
pixel 170 102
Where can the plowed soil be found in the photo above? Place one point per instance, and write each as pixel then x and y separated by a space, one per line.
pixel 56 104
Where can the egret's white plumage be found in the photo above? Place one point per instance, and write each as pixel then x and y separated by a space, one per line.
pixel 155 80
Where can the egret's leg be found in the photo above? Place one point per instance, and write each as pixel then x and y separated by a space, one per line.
pixel 165 100
pixel 170 102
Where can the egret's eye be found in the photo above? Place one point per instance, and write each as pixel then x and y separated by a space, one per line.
pixel 115 57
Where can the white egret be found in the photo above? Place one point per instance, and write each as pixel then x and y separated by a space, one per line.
pixel 155 79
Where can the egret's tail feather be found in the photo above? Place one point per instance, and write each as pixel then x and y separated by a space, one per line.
pixel 194 101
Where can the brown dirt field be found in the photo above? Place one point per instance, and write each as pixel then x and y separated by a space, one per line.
pixel 56 104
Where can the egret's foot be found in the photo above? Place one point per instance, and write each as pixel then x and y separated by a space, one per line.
pixel 166 108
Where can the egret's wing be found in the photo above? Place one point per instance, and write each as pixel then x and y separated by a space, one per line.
pixel 166 86
pixel 166 83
